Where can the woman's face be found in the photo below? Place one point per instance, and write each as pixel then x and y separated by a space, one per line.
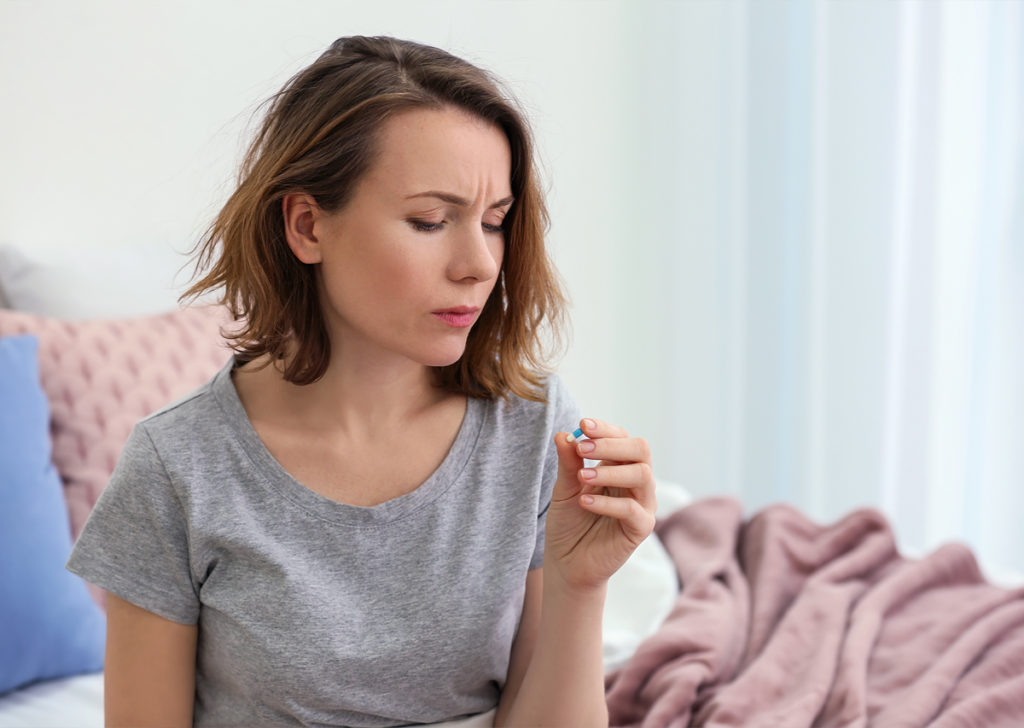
pixel 408 263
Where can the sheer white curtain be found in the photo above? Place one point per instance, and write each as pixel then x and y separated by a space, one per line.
pixel 836 245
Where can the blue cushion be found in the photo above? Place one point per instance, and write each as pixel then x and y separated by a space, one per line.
pixel 49 625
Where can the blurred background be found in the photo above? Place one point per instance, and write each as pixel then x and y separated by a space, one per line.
pixel 792 231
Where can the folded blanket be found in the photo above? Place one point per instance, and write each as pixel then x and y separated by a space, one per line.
pixel 783 622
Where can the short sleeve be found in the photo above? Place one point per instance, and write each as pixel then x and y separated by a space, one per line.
pixel 135 542
pixel 564 416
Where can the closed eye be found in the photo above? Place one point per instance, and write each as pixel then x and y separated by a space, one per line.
pixel 426 227
pixel 431 227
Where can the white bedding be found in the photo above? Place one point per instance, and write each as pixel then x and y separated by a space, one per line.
pixel 640 596
pixel 74 702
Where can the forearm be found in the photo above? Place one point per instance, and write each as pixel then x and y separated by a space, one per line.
pixel 564 683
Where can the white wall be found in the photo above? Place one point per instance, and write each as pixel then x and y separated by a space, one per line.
pixel 123 123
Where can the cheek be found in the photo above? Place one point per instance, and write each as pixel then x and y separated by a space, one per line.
pixel 367 267
pixel 385 286
pixel 358 286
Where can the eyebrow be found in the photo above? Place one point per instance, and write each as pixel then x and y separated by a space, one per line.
pixel 456 200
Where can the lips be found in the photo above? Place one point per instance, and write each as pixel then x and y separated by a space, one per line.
pixel 458 317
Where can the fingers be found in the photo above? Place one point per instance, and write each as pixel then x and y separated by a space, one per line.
pixel 636 521
pixel 632 475
pixel 634 478
pixel 625 462
pixel 619 488
pixel 620 449
pixel 597 428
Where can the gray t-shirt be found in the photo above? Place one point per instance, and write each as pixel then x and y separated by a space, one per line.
pixel 313 612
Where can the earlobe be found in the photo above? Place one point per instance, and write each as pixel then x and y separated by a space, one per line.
pixel 300 212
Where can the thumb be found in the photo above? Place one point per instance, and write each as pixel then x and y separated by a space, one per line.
pixel 567 484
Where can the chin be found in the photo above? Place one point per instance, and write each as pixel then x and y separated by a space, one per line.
pixel 442 361
pixel 443 358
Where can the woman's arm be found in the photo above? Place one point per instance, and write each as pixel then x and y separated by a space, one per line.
pixel 149 676
pixel 598 516
pixel 556 661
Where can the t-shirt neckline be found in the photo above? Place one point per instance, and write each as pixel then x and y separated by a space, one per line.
pixel 279 480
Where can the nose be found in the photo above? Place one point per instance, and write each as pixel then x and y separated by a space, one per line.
pixel 476 255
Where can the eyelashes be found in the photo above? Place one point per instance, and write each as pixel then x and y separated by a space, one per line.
pixel 426 227
pixel 430 227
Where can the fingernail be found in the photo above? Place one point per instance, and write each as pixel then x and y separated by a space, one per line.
pixel 588 424
pixel 588 499
pixel 586 446
pixel 588 473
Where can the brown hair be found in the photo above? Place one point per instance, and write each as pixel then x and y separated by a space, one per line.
pixel 318 137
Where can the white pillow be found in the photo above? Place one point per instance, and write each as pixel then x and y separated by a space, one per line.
pixel 80 284
pixel 642 592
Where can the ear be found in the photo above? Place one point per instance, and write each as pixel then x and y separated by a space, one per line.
pixel 300 212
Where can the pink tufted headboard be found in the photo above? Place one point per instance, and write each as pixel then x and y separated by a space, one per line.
pixel 103 376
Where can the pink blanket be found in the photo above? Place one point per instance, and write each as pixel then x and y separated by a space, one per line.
pixel 783 622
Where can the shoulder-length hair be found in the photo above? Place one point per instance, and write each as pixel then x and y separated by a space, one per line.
pixel 318 137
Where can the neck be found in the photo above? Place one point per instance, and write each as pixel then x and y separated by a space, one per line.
pixel 361 398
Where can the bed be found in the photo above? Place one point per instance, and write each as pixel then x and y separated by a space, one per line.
pixel 722 618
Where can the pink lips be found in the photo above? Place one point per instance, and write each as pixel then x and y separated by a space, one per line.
pixel 459 317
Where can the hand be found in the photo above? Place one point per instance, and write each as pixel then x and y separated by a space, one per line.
pixel 598 515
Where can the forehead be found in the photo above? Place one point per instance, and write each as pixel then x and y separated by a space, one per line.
pixel 442 148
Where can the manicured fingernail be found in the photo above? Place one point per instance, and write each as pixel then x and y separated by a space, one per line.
pixel 588 499
pixel 588 473
pixel 586 446
pixel 588 424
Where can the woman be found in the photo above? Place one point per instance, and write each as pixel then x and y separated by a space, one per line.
pixel 372 516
